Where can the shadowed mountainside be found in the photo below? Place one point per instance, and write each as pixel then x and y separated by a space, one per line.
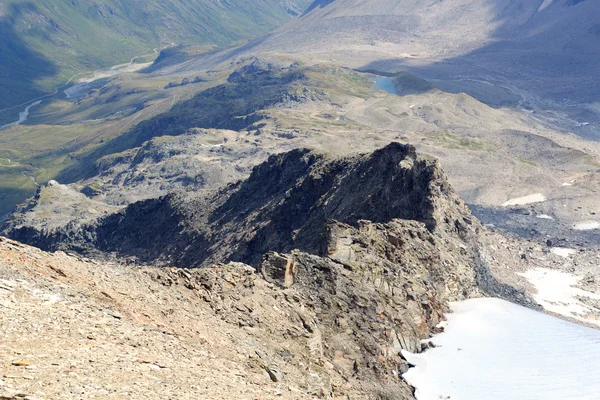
pixel 44 43
pixel 19 63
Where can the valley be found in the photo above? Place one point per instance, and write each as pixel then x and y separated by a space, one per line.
pixel 46 42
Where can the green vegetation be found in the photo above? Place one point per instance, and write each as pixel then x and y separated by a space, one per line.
pixel 46 42
pixel 407 83
pixel 342 81
pixel 38 153
pixel 176 55
pixel 68 152
pixel 449 140
pixel 15 187
pixel 524 161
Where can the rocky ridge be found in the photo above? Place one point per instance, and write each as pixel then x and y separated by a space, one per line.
pixel 284 205
pixel 353 260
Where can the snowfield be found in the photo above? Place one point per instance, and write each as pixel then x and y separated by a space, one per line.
pixel 557 292
pixel 521 201
pixel 496 350
pixel 587 226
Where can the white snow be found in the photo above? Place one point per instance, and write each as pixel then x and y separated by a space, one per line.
pixel 545 216
pixel 495 350
pixel 519 201
pixel 586 226
pixel 562 251
pixel 556 292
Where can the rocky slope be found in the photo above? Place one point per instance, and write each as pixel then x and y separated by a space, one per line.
pixel 533 55
pixel 221 333
pixel 353 260
pixel 280 105
pixel 523 44
pixel 300 326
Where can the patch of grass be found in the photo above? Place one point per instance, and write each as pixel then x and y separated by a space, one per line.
pixel 591 160
pixel 15 187
pixel 340 81
pixel 449 140
pixel 406 84
pixel 524 161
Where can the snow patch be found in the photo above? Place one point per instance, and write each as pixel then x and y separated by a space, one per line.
pixel 545 216
pixel 495 350
pixel 562 251
pixel 586 226
pixel 519 201
pixel 556 292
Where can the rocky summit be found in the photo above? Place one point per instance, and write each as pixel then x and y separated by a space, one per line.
pixel 317 273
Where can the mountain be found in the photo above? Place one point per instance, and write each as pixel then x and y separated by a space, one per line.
pixel 299 201
pixel 283 204
pixel 529 50
pixel 360 254
pixel 44 43
pixel 256 107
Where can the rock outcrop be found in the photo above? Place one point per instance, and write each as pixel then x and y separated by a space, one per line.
pixel 284 205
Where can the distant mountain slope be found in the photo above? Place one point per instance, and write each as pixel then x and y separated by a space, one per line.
pixel 45 42
pixel 530 43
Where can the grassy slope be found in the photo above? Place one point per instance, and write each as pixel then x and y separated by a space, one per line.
pixel 45 42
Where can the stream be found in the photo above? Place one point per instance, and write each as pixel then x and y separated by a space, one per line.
pixel 80 87
pixel 84 84
pixel 22 115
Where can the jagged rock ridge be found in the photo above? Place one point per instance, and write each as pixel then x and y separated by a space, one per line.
pixel 284 205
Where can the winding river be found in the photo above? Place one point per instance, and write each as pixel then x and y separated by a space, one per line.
pixel 81 85
pixel 22 115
